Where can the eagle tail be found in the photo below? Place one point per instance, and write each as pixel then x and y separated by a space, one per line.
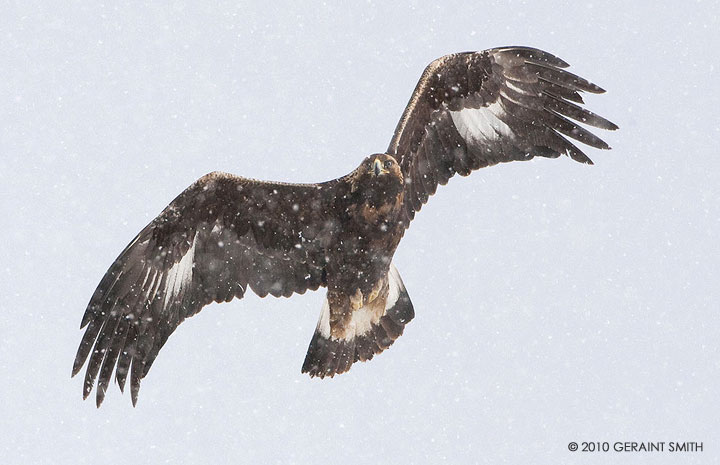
pixel 328 356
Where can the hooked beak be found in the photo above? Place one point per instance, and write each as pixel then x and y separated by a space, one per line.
pixel 377 168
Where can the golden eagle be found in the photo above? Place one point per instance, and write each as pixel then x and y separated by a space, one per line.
pixel 225 234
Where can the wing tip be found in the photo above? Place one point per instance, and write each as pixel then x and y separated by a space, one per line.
pixel 594 89
pixel 77 366
pixel 603 124
pixel 87 389
pixel 99 397
pixel 534 54
pixel 134 391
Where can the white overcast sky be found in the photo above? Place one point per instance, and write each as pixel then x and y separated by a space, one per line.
pixel 555 301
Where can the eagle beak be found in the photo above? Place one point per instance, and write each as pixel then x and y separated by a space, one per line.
pixel 378 168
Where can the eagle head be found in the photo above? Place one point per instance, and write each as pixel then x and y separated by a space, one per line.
pixel 378 186
pixel 381 165
pixel 381 174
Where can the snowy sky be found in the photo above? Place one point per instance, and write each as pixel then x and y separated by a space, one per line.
pixel 555 301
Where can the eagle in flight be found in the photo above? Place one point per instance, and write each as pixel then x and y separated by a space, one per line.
pixel 226 234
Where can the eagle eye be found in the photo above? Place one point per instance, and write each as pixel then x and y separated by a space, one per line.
pixel 387 164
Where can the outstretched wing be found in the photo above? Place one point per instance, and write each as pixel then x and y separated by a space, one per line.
pixel 220 236
pixel 476 109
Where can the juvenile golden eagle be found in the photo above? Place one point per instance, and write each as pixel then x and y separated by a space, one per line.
pixel 225 234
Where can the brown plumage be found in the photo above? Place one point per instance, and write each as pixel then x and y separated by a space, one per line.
pixel 225 234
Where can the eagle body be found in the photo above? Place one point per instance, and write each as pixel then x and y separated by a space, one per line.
pixel 362 316
pixel 225 234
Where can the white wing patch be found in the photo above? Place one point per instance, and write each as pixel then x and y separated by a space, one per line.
pixel 180 274
pixel 481 124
